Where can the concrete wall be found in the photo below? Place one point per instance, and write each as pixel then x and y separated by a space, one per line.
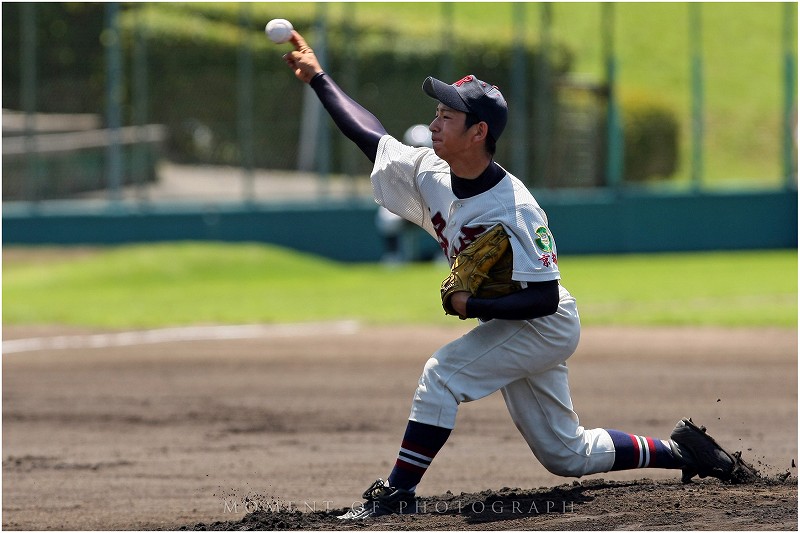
pixel 594 222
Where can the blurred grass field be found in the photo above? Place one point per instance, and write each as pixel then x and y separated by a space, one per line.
pixel 741 50
pixel 157 285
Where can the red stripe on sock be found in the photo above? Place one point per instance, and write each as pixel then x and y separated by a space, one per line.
pixel 637 452
pixel 408 466
pixel 416 448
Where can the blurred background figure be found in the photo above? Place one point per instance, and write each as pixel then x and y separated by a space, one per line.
pixel 397 233
pixel 418 135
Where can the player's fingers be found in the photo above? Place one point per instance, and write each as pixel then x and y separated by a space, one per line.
pixel 292 58
pixel 293 63
pixel 299 43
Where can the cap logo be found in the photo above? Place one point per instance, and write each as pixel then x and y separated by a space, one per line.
pixel 462 81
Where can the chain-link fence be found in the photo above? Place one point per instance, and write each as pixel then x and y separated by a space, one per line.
pixel 146 102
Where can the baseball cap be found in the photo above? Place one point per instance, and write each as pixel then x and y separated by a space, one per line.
pixel 471 95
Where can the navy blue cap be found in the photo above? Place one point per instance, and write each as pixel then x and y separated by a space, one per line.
pixel 471 95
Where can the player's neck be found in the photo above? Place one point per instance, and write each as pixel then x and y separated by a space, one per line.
pixel 470 168
pixel 464 188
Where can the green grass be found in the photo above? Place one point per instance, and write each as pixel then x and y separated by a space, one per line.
pixel 190 283
pixel 722 288
pixel 742 55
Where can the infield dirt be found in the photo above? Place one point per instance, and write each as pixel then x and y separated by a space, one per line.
pixel 283 432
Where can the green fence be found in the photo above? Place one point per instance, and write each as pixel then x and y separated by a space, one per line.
pixel 346 231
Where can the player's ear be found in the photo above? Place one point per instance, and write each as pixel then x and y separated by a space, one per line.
pixel 481 131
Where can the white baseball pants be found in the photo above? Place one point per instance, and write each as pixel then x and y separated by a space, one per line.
pixel 526 361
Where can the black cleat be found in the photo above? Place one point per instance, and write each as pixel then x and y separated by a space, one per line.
pixel 703 457
pixel 382 500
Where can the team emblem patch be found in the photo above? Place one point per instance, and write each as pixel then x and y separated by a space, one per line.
pixel 544 240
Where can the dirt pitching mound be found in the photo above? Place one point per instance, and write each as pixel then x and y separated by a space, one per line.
pixel 179 433
pixel 766 504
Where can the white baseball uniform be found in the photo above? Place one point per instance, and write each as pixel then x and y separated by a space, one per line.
pixel 524 359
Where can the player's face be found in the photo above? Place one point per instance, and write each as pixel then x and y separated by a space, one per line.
pixel 450 137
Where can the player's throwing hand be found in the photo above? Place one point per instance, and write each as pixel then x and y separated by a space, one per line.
pixel 302 60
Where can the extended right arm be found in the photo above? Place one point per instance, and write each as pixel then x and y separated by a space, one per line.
pixel 357 124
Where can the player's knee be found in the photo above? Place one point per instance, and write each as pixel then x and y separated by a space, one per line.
pixel 567 470
pixel 431 384
pixel 564 462
pixel 430 374
pixel 566 467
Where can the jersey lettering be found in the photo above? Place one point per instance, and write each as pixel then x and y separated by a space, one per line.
pixel 439 224
pixel 467 234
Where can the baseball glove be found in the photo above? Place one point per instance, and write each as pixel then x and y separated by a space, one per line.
pixel 483 269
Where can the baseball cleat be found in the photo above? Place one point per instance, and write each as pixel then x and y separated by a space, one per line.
pixel 381 500
pixel 703 457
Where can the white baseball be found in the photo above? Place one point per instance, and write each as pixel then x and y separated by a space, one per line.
pixel 279 30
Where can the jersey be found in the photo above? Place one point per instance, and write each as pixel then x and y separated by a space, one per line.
pixel 415 184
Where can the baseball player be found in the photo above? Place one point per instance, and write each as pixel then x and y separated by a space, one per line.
pixel 522 340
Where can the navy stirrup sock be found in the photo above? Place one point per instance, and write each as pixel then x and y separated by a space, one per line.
pixel 421 443
pixel 633 451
